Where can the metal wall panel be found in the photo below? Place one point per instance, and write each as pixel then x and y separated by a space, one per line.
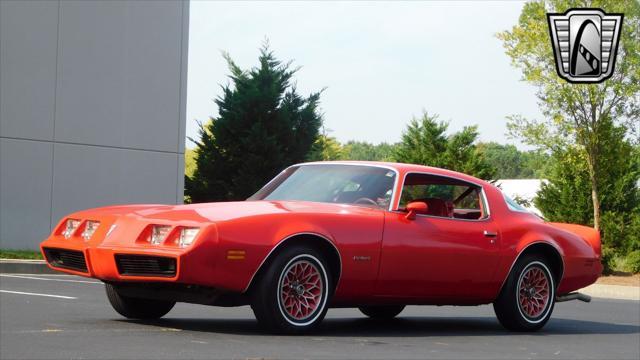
pixel 92 109
pixel 25 192
pixel 119 83
pixel 28 46
pixel 116 176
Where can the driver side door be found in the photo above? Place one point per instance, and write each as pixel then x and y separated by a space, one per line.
pixel 444 253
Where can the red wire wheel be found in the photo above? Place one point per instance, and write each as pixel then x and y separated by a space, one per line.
pixel 534 291
pixel 301 290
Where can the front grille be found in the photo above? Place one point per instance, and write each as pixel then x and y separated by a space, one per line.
pixel 142 265
pixel 66 259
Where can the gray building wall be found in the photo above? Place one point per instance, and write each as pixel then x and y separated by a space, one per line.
pixel 92 109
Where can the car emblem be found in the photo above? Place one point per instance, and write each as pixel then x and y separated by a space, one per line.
pixel 361 258
pixel 585 43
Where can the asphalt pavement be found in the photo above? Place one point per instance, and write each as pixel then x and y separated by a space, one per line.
pixel 58 316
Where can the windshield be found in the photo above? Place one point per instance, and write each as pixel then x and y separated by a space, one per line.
pixel 332 183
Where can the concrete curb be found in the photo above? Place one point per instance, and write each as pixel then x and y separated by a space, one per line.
pixel 14 266
pixel 620 292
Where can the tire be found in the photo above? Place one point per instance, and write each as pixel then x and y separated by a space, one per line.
pixel 382 312
pixel 136 308
pixel 293 293
pixel 522 307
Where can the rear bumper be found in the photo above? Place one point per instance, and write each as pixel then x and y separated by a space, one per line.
pixel 579 273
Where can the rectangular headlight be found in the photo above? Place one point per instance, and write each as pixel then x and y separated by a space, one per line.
pixel 89 228
pixel 70 227
pixel 159 233
pixel 187 235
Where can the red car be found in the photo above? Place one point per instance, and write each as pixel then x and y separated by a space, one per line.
pixel 377 236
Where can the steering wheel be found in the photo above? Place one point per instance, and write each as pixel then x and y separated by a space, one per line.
pixel 365 201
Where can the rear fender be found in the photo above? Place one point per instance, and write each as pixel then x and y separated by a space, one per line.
pixel 534 237
pixel 526 242
pixel 588 234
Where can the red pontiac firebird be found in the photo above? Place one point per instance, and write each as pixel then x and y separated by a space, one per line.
pixel 377 236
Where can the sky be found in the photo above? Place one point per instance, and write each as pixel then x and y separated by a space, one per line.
pixel 381 63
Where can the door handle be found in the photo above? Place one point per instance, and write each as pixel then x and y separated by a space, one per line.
pixel 490 233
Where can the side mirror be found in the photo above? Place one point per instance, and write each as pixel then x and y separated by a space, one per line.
pixel 416 207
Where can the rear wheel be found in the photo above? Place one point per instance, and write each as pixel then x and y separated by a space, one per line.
pixel 528 297
pixel 136 308
pixel 292 295
pixel 382 312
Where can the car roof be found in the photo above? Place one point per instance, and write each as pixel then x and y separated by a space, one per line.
pixel 405 168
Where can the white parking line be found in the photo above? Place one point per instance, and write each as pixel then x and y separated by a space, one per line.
pixel 36 294
pixel 47 275
pixel 45 279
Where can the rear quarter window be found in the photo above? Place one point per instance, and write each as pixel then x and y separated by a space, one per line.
pixel 513 205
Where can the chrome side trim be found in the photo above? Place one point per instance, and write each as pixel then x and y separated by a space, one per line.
pixel 522 252
pixel 485 202
pixel 483 196
pixel 287 238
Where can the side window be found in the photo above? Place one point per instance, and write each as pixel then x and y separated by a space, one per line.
pixel 445 197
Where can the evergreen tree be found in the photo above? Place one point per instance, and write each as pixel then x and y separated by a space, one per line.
pixel 566 197
pixel 263 125
pixel 425 142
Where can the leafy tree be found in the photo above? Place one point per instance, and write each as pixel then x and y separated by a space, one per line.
pixel 534 164
pixel 576 115
pixel 263 125
pixel 566 197
pixel 361 150
pixel 189 162
pixel 425 142
pixel 325 148
pixel 507 159
pixel 511 163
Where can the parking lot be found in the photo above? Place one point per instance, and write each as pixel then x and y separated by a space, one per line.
pixel 58 316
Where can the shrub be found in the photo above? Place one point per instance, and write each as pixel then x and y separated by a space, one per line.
pixel 608 260
pixel 633 261
pixel 613 230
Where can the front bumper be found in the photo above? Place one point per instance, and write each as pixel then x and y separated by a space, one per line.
pixel 123 259
pixel 107 263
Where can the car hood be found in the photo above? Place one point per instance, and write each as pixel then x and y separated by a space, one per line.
pixel 220 211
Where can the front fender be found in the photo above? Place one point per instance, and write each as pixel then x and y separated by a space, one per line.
pixel 355 233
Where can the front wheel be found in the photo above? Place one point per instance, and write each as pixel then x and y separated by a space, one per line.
pixel 292 295
pixel 528 296
pixel 382 312
pixel 136 308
